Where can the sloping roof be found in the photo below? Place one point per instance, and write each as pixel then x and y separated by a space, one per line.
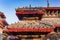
pixel 29 12
pixel 2 15
pixel 29 30
pixel 57 25
pixel 44 25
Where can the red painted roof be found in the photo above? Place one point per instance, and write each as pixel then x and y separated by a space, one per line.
pixel 3 20
pixel 1 14
pixel 30 12
pixel 53 8
pixel 29 30
pixel 57 25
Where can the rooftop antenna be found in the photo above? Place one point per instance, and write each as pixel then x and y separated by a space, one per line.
pixel 48 5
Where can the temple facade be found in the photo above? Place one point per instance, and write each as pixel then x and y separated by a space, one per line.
pixel 35 22
pixel 3 23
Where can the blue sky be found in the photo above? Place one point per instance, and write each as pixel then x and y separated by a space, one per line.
pixel 8 7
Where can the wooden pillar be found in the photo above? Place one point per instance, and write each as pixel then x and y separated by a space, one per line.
pixel 45 13
pixel 56 13
pixel 53 14
pixel 49 13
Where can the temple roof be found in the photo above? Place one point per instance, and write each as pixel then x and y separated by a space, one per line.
pixel 28 30
pixel 5 22
pixel 45 22
pixel 45 25
pixel 2 15
pixel 57 25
